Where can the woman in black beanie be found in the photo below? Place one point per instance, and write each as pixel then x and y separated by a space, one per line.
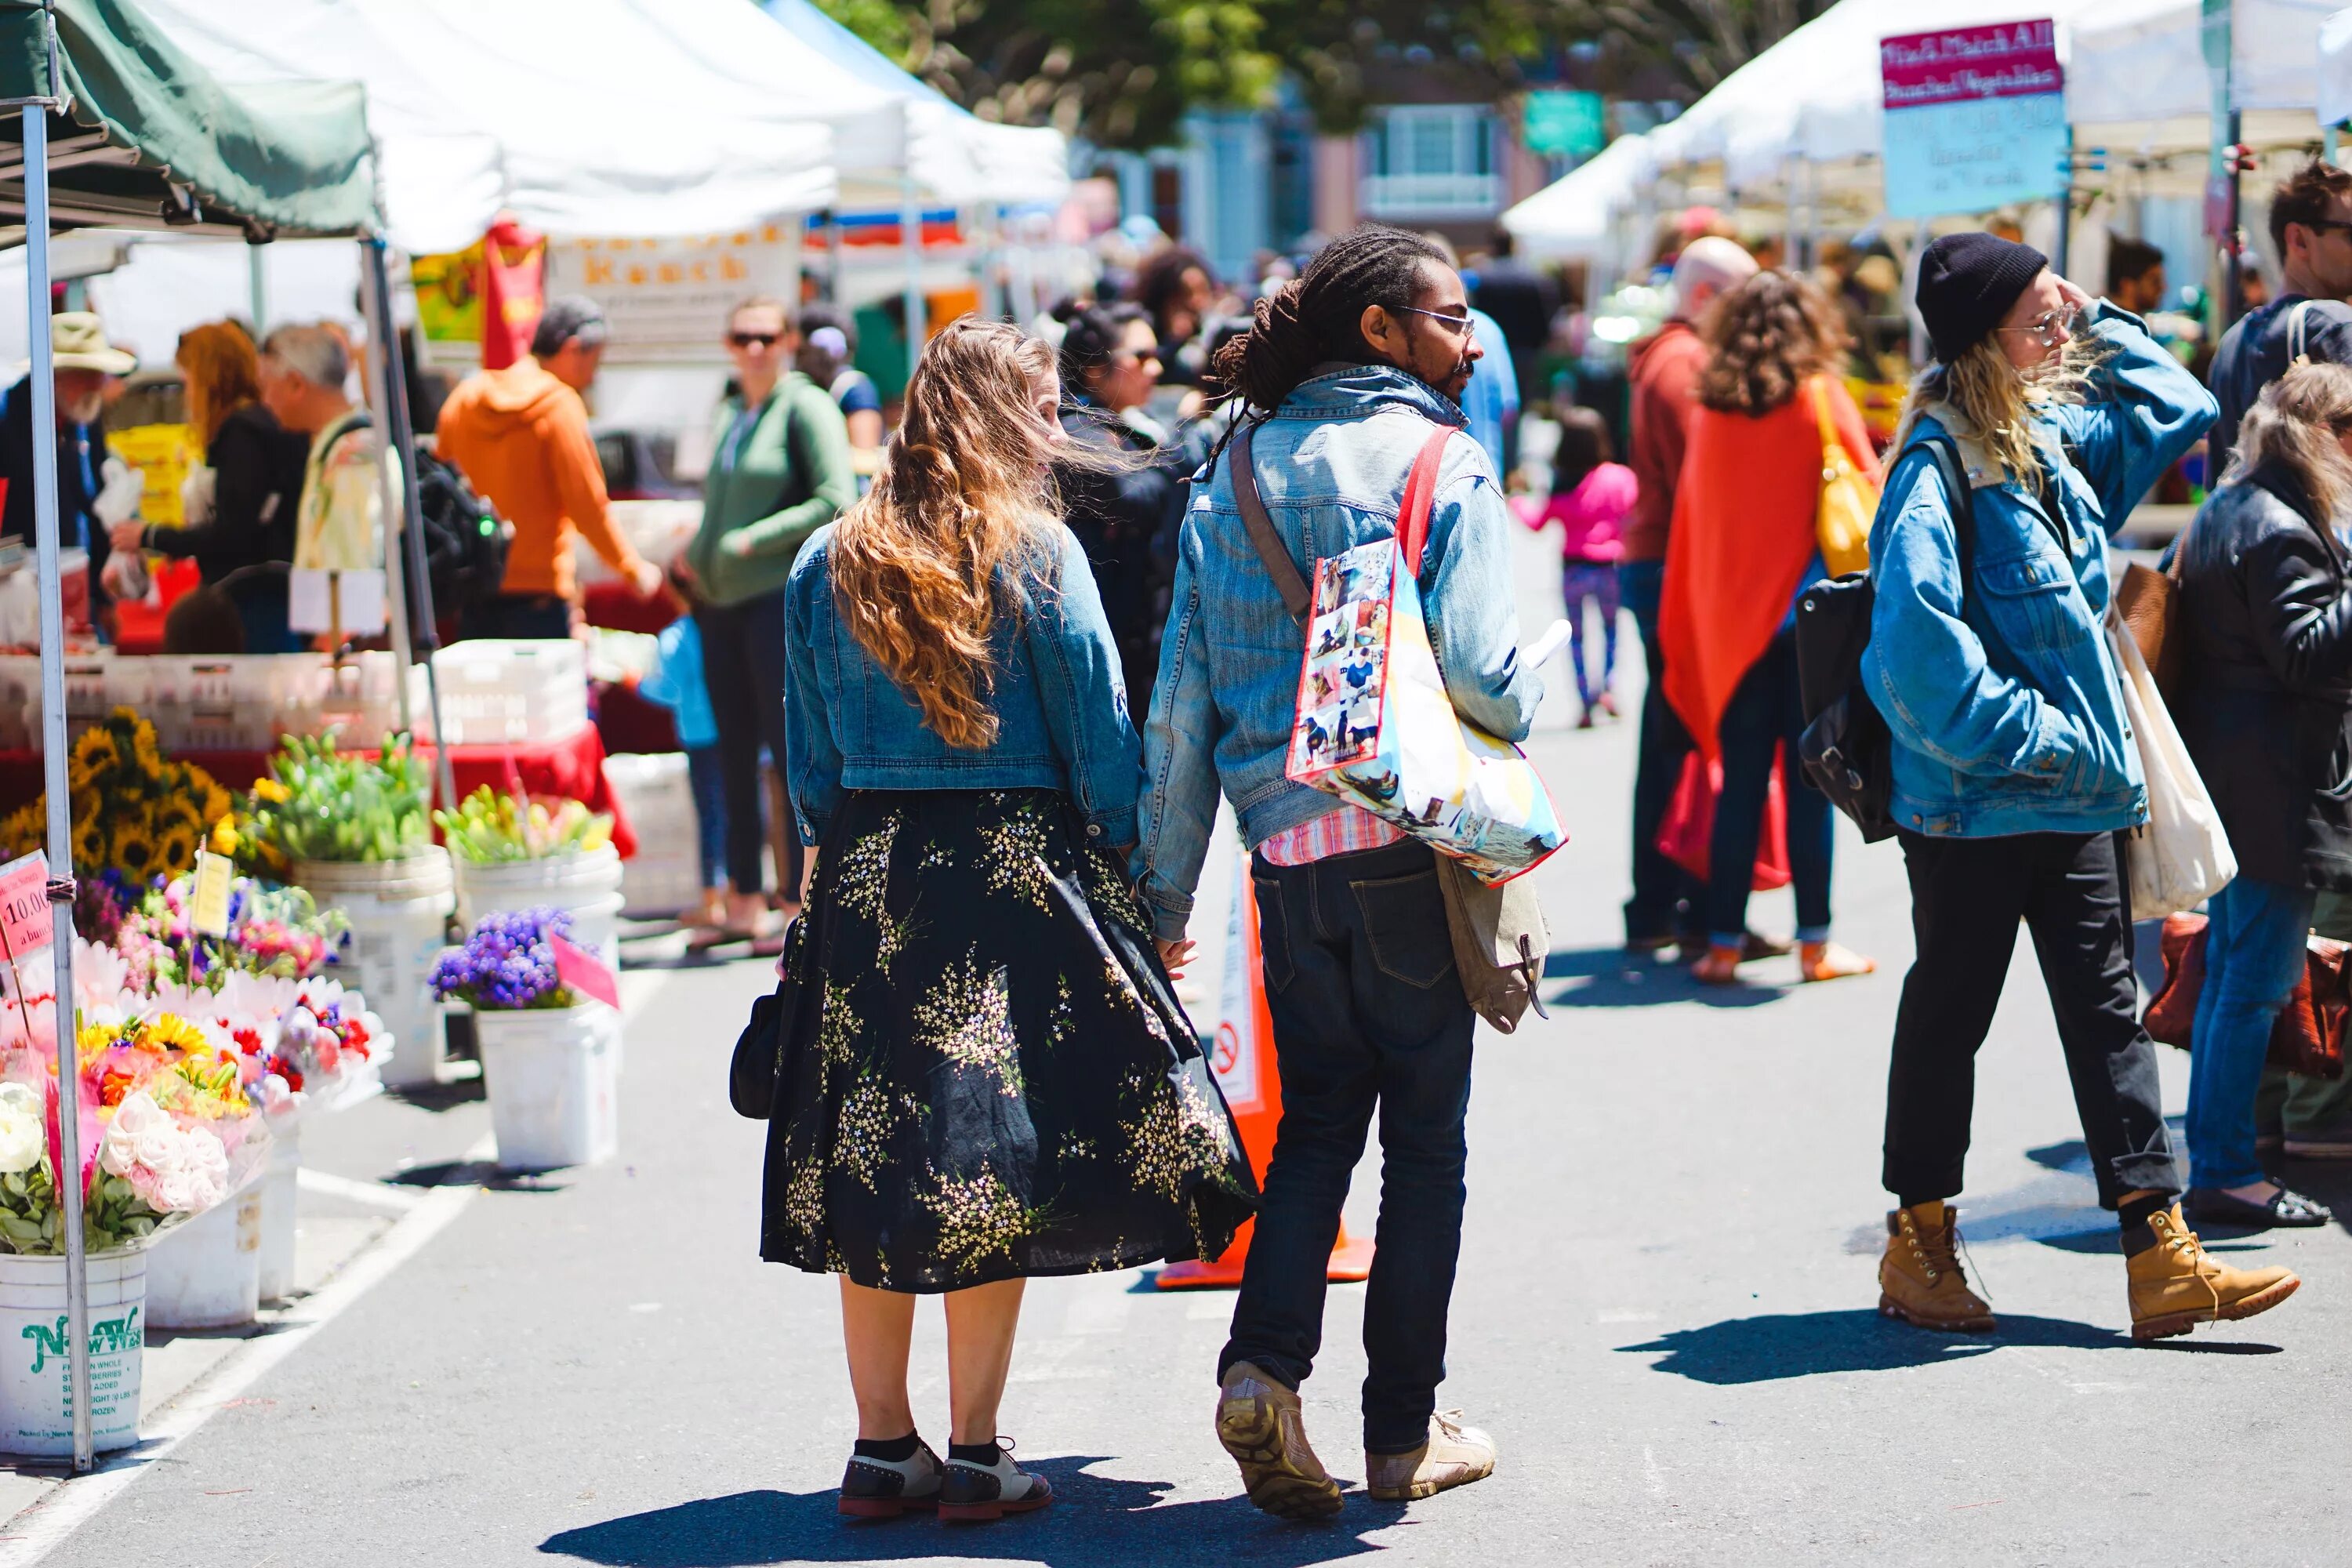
pixel 2044 419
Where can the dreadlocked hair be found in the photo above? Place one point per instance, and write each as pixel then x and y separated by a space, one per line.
pixel 917 564
pixel 1319 315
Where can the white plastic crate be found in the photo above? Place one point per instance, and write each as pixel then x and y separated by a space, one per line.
pixel 664 874
pixel 495 691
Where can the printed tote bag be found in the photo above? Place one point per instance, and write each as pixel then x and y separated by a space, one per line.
pixel 1373 724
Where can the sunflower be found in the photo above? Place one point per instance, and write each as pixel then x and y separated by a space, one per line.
pixel 176 848
pixel 218 802
pixel 90 846
pixel 96 751
pixel 175 1032
pixel 133 851
pixel 144 751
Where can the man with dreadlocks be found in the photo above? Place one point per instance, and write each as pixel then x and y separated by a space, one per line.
pixel 1340 380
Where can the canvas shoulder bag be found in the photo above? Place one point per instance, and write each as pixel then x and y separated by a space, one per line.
pixel 1848 499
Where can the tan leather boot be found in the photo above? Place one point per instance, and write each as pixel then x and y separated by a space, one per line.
pixel 2177 1284
pixel 1454 1455
pixel 1261 1425
pixel 1920 1278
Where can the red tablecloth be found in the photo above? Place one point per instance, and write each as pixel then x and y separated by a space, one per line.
pixel 573 767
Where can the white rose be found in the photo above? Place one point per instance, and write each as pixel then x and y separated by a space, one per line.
pixel 158 1148
pixel 175 1192
pixel 138 1112
pixel 22 1140
pixel 205 1154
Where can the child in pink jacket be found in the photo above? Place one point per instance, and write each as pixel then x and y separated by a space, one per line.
pixel 1590 496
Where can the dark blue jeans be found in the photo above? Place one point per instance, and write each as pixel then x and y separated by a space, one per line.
pixel 1666 899
pixel 743 670
pixel 1765 711
pixel 708 777
pixel 1367 1015
pixel 2253 955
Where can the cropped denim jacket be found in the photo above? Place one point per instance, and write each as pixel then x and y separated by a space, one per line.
pixel 2002 699
pixel 1061 710
pixel 1330 465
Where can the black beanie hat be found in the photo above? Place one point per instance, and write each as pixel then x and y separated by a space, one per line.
pixel 1966 284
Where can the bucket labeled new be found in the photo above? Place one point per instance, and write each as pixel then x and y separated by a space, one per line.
pixel 36 1401
pixel 280 1187
pixel 206 1274
pixel 553 1080
pixel 584 884
pixel 399 911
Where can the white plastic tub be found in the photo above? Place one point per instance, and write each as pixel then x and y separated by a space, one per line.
pixel 36 1403
pixel 280 1188
pixel 553 1081
pixel 206 1274
pixel 586 885
pixel 399 911
pixel 665 876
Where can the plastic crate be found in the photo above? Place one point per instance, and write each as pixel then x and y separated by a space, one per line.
pixel 499 691
pixel 665 876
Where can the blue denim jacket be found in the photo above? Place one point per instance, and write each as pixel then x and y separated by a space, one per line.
pixel 2004 701
pixel 1061 710
pixel 1331 467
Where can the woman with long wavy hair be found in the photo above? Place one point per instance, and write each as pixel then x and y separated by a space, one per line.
pixel 1743 548
pixel 990 1079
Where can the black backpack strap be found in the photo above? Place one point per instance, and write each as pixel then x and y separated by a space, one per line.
pixel 1960 496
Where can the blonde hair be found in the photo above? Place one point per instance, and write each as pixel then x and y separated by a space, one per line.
pixel 2000 402
pixel 962 495
pixel 2297 424
pixel 222 373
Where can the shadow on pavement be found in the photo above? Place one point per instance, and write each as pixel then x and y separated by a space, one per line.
pixel 481 1173
pixel 1094 1520
pixel 1611 977
pixel 1804 1344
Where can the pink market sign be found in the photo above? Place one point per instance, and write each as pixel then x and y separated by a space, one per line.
pixel 1975 117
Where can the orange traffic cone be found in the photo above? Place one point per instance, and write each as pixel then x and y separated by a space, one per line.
pixel 1244 1060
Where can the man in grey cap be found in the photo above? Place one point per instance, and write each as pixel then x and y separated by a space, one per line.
pixel 84 359
pixel 520 437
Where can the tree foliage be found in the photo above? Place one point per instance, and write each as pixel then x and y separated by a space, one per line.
pixel 1122 73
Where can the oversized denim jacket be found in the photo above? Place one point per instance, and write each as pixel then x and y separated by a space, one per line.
pixel 1331 465
pixel 2004 701
pixel 1061 709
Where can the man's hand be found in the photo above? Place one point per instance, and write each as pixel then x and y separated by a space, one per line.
pixel 1174 955
pixel 129 534
pixel 646 579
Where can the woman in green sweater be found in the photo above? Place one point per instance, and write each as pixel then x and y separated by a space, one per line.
pixel 780 472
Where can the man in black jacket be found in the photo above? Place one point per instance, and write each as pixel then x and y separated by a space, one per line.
pixel 84 359
pixel 2311 226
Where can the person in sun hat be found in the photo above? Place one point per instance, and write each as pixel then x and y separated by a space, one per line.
pixel 84 361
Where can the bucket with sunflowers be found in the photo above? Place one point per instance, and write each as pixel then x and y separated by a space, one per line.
pixel 353 831
pixel 136 813
pixel 167 1134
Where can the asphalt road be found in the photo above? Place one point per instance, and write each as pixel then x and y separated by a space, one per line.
pixel 1666 1315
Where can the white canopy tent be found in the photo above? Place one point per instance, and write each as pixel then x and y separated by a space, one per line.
pixel 2332 93
pixel 2136 81
pixel 1576 215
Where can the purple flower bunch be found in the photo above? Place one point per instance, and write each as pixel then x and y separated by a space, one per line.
pixel 508 963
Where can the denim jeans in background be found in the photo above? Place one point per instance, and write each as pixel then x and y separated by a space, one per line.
pixel 1368 1017
pixel 1665 897
pixel 2253 954
pixel 1765 711
pixel 709 781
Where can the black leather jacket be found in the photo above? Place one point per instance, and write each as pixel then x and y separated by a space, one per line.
pixel 2266 685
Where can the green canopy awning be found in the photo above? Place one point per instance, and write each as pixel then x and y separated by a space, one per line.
pixel 150 140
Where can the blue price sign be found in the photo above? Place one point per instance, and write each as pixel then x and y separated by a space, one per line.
pixel 1976 117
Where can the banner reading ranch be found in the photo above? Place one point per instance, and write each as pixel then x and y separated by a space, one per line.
pixel 1975 117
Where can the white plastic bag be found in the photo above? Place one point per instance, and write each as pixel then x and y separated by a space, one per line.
pixel 2181 857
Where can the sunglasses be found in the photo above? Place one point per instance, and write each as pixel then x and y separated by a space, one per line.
pixel 1463 325
pixel 755 340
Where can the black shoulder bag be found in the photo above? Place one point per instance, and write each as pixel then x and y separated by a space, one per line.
pixel 1846 749
pixel 764 1050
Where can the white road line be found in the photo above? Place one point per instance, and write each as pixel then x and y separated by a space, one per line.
pixel 39 1530
pixel 329 1184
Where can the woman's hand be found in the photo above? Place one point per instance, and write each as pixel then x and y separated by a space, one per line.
pixel 1174 955
pixel 2074 297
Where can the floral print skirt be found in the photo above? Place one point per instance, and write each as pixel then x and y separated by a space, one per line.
pixel 988 1077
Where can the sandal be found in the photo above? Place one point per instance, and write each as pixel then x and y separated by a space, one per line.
pixel 1718 966
pixel 2212 1206
pixel 1829 960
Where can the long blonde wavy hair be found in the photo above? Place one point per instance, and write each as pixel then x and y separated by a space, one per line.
pixel 2001 401
pixel 962 496
pixel 2298 424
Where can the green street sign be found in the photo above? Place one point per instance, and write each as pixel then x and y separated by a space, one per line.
pixel 1568 123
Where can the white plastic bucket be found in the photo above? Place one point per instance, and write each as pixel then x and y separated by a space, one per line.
pixel 36 1401
pixel 399 913
pixel 206 1274
pixel 586 885
pixel 553 1080
pixel 280 1188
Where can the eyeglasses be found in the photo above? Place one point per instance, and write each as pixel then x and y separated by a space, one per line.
pixel 1464 325
pixel 2322 225
pixel 2050 328
pixel 755 340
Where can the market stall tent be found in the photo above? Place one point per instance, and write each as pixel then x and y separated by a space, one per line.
pixel 1576 214
pixel 2138 82
pixel 2333 87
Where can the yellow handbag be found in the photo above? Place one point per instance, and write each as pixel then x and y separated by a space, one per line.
pixel 1849 499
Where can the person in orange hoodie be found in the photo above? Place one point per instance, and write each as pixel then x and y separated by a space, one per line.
pixel 1741 549
pixel 520 437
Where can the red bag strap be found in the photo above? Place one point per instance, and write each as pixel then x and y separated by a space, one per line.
pixel 1420 491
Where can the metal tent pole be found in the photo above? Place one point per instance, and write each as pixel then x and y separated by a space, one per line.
pixel 41 381
pixel 402 436
pixel 911 235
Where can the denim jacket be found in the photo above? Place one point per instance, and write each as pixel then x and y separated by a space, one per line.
pixel 2003 700
pixel 1061 710
pixel 1330 465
